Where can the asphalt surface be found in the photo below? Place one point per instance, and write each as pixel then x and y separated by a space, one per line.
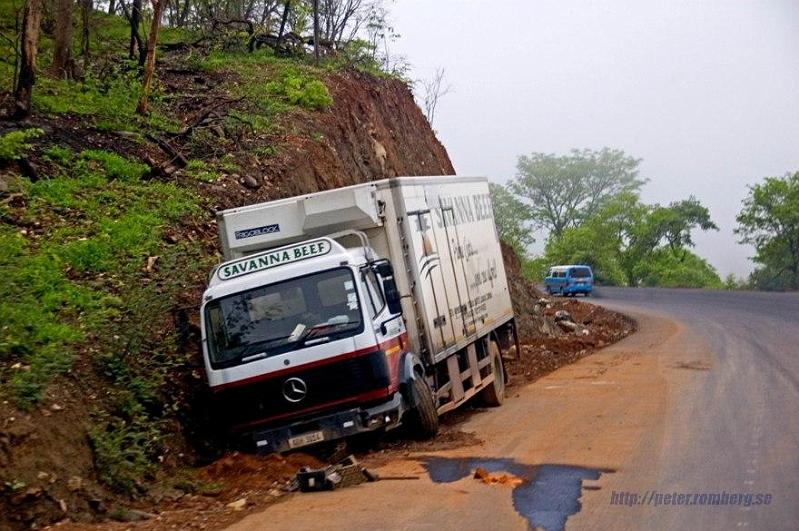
pixel 739 419
pixel 702 401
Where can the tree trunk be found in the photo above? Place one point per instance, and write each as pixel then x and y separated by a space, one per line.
pixel 135 38
pixel 86 8
pixel 286 8
pixel 183 13
pixel 112 7
pixel 62 66
pixel 149 66
pixel 27 62
pixel 316 31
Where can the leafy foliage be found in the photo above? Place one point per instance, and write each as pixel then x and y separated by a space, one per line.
pixel 13 145
pixel 101 220
pixel 665 269
pixel 301 90
pixel 124 452
pixel 563 190
pixel 511 217
pixel 627 242
pixel 769 220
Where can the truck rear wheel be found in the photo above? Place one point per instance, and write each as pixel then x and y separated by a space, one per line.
pixel 423 419
pixel 494 394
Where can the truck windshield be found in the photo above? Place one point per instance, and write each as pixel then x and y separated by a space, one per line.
pixel 273 319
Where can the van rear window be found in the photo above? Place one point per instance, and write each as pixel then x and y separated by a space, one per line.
pixel 580 272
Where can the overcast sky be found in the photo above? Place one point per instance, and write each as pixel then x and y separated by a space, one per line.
pixel 705 92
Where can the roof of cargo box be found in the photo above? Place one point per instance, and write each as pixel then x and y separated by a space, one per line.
pixel 253 228
pixel 391 182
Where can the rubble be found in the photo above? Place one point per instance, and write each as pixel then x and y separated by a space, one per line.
pixel 496 479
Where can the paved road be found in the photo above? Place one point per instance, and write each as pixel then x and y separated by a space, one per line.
pixel 703 399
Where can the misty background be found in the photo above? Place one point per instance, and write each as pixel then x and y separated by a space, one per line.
pixel 703 92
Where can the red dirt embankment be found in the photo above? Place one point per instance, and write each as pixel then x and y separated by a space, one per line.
pixel 373 130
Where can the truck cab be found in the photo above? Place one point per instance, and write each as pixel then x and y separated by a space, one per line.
pixel 356 309
pixel 295 331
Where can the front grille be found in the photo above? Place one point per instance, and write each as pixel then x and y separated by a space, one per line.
pixel 326 383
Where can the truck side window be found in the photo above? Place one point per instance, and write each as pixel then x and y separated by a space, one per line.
pixel 375 293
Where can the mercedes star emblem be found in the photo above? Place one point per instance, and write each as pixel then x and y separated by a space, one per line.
pixel 294 389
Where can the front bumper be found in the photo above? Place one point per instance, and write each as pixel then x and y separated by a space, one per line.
pixel 332 426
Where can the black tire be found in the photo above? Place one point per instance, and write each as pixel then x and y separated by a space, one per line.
pixel 494 394
pixel 423 420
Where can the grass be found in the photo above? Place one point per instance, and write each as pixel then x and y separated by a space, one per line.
pixel 110 105
pixel 271 84
pixel 102 222
pixel 80 288
pixel 15 144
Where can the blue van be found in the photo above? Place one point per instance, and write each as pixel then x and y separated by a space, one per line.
pixel 569 280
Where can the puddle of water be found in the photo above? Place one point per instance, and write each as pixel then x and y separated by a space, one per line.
pixel 548 495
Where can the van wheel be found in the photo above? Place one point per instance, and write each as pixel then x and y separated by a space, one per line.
pixel 423 420
pixel 494 394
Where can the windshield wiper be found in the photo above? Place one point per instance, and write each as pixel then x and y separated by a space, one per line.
pixel 308 333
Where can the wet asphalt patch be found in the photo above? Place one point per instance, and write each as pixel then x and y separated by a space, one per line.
pixel 547 495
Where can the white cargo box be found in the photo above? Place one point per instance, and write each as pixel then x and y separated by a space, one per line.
pixel 438 232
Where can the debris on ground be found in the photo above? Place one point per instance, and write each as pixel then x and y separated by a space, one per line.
pixel 347 473
pixel 496 479
pixel 583 328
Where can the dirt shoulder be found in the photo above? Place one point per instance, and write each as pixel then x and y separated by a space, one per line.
pixel 240 484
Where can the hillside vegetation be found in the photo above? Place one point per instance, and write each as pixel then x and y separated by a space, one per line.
pixel 107 232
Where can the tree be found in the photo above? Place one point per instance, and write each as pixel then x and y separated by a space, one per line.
pixel 769 220
pixel 434 89
pixel 316 31
pixel 149 66
pixel 562 190
pixel 86 7
pixel 511 218
pixel 341 19
pixel 628 242
pixel 31 19
pixel 62 66
pixel 134 18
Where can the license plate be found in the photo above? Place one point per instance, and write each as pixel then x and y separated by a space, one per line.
pixel 306 438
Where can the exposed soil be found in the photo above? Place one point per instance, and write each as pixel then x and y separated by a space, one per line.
pixel 542 355
pixel 373 130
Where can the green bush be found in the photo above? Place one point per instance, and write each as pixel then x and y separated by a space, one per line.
pixel 683 269
pixel 13 145
pixel 124 451
pixel 300 90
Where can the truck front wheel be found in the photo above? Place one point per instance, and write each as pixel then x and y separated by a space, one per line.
pixel 494 394
pixel 423 419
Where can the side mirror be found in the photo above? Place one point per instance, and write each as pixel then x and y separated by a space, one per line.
pixel 392 295
pixel 386 273
pixel 384 269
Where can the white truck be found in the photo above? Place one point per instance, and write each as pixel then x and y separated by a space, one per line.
pixel 356 309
